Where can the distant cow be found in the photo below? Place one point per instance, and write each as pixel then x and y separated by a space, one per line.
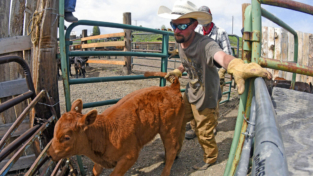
pixel 80 66
pixel 71 61
pixel 115 137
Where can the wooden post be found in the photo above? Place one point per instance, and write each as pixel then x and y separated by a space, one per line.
pixel 310 61
pixel 44 55
pixel 127 39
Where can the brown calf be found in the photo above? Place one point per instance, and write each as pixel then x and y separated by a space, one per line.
pixel 115 137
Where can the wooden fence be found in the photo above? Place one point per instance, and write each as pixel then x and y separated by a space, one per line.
pixel 277 43
pixel 37 49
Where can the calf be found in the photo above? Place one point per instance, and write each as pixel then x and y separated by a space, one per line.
pixel 79 65
pixel 115 137
pixel 71 61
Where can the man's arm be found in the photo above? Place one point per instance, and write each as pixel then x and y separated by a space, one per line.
pixel 181 68
pixel 223 59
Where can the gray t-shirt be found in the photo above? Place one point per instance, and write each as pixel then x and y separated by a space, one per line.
pixel 203 90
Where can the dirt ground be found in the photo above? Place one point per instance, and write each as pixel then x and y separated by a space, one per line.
pixel 148 163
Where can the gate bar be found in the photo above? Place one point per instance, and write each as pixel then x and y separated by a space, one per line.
pixel 288 4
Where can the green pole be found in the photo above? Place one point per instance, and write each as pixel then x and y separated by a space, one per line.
pixel 164 59
pixel 64 67
pixel 257 30
pixel 241 112
pixel 242 102
pixel 274 19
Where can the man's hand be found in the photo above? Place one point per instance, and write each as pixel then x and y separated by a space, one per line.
pixel 175 72
pixel 173 53
pixel 242 71
pixel 221 73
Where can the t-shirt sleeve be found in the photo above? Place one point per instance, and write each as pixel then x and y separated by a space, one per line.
pixel 210 49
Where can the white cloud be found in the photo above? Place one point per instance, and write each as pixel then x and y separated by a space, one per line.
pixel 144 12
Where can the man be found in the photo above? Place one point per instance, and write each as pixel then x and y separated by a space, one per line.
pixel 198 54
pixel 69 8
pixel 220 36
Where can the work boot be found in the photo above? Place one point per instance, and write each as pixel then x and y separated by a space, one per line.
pixel 188 127
pixel 215 131
pixel 190 134
pixel 202 166
pixel 162 155
pixel 69 17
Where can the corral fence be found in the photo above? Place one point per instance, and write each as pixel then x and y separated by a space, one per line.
pixel 278 44
pixel 255 107
pixel 27 47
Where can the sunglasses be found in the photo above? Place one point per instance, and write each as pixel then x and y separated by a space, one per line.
pixel 181 26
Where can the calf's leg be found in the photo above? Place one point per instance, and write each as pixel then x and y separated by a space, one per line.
pixel 124 164
pixel 97 169
pixel 171 141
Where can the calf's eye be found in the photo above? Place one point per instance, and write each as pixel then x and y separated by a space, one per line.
pixel 67 138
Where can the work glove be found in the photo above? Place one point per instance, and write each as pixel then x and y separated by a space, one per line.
pixel 221 73
pixel 242 71
pixel 173 53
pixel 169 76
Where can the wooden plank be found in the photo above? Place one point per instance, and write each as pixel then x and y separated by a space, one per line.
pixel 24 126
pixel 290 53
pixel 264 47
pixel 14 87
pixel 284 49
pixel 159 51
pixel 121 34
pixel 4 18
pixel 16 43
pixel 305 54
pixel 310 60
pixel 4 68
pixel 23 162
pixel 106 62
pixel 29 10
pixel 16 29
pixel 271 45
pixel 104 44
pixel 300 52
pixel 277 53
pixel 151 42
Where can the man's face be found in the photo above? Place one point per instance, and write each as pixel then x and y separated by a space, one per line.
pixel 182 36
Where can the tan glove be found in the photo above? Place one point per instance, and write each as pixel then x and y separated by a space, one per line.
pixel 175 72
pixel 242 71
pixel 221 73
pixel 173 53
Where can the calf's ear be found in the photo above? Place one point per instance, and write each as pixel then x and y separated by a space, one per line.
pixel 77 106
pixel 90 117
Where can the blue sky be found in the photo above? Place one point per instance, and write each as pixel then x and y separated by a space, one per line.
pixel 144 13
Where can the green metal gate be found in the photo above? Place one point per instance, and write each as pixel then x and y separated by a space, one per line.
pixel 252 53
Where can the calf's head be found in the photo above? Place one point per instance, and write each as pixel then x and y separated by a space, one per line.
pixel 69 137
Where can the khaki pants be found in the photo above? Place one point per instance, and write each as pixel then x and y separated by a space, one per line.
pixel 205 122
pixel 193 122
